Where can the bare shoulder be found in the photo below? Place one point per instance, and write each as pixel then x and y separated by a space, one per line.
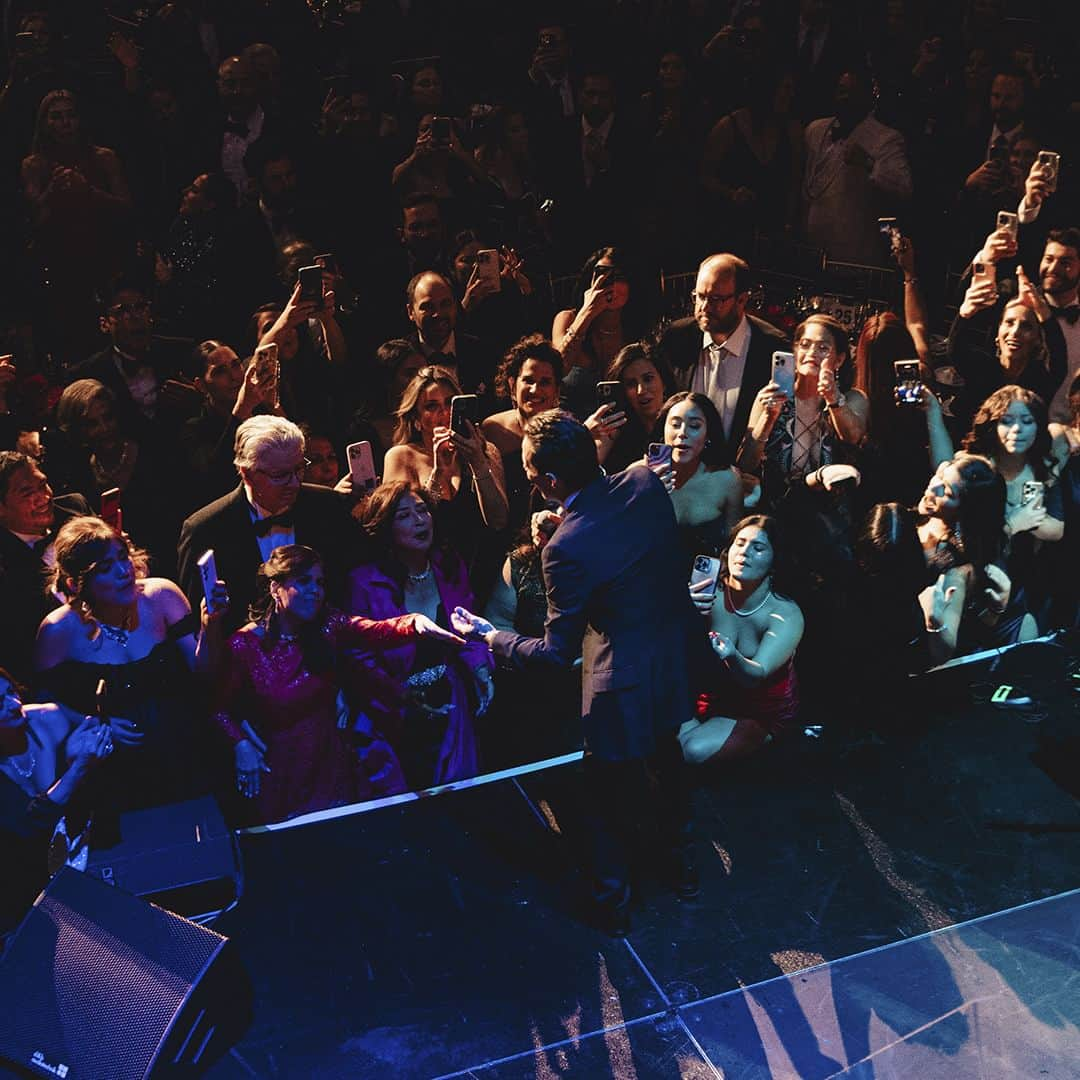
pixel 165 596
pixel 562 320
pixel 49 722
pixel 784 608
pixel 58 637
pixel 400 463
pixel 501 429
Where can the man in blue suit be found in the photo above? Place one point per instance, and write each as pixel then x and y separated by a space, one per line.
pixel 618 595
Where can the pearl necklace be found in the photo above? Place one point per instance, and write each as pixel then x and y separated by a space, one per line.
pixel 419 579
pixel 752 611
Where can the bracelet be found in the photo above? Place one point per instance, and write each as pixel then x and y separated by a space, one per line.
pixel 434 484
pixel 934 629
pixel 911 281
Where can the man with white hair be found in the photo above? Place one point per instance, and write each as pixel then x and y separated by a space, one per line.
pixel 270 508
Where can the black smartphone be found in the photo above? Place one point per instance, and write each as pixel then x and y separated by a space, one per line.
pixel 440 131
pixel 310 278
pixel 908 383
pixel 111 513
pixel 328 263
pixel 464 407
pixel 611 393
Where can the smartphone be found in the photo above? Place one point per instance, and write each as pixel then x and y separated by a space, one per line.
pixel 100 693
pixel 706 568
pixel 464 407
pixel 208 574
pixel 908 383
pixel 328 262
pixel 981 272
pixel 267 368
pixel 999 154
pixel 361 466
pixel 440 132
pixel 1032 490
pixel 783 372
pixel 658 454
pixel 888 228
pixel 310 278
pixel 111 513
pixel 611 393
pixel 1010 223
pixel 1049 163
pixel 487 267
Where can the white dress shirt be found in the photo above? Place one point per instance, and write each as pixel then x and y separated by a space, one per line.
pixel 278 536
pixel 719 371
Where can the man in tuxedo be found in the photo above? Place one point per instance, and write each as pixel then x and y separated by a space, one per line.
pixel 433 310
pixel 617 593
pixel 29 518
pixel 721 351
pixel 269 509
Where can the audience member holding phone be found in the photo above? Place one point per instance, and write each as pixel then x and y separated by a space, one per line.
pixel 792 435
pixel 754 630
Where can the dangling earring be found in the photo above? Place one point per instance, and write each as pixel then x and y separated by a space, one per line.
pixel 708 443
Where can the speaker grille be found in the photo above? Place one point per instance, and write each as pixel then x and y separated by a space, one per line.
pixel 98 976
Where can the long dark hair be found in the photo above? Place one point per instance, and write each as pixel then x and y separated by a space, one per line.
pixel 983 437
pixel 980 522
pixel 883 341
pixel 287 562
pixel 781 571
pixel 713 455
pixel 888 549
pixel 635 316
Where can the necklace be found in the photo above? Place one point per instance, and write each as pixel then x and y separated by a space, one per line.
pixel 424 574
pixel 752 611
pixel 114 633
pixel 15 765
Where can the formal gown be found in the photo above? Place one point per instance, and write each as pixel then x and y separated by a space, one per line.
pixel 291 702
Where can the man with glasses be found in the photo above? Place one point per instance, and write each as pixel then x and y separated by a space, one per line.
pixel 720 351
pixel 270 508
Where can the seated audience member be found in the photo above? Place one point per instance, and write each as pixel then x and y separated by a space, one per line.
pixel 1011 430
pixel 29 517
pixel 107 453
pixel 270 507
pixel 277 694
pixel 80 209
pixel 708 492
pixel 788 439
pixel 433 311
pixel 610 313
pixel 1029 341
pixel 647 383
pixel 721 351
pixel 46 756
pixel 432 726
pixel 529 376
pixel 136 634
pixel 462 471
pixel 961 523
pixel 231 393
pixel 754 630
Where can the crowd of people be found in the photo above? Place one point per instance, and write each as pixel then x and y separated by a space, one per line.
pixel 245 236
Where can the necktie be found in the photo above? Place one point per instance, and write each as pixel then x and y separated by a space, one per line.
pixel 1070 313
pixel 281 521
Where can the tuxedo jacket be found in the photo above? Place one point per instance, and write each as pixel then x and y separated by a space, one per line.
pixel 616 593
pixel 681 347
pixel 321 520
pixel 475 362
pixel 23 599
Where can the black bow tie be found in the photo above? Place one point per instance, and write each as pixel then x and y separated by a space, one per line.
pixel 236 127
pixel 1070 313
pixel 283 520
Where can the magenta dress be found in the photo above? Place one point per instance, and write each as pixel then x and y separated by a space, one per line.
pixel 294 711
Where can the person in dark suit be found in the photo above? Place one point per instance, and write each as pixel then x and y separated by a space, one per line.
pixel 720 351
pixel 617 593
pixel 29 518
pixel 271 507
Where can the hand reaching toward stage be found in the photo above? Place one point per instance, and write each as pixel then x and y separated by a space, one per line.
pixel 469 625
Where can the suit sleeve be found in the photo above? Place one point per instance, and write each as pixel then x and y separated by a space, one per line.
pixel 568 594
pixel 187 569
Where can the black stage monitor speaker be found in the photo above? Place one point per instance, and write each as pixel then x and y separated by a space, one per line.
pixel 97 984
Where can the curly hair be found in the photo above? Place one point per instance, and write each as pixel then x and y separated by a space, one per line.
pixel 531 347
pixel 983 437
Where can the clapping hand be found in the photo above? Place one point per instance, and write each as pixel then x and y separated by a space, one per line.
pixel 469 625
pixel 89 742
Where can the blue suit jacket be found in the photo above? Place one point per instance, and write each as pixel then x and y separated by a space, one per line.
pixel 618 594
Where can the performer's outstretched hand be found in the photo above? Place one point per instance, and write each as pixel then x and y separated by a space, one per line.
pixel 469 625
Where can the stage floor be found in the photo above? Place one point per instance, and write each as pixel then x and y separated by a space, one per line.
pixel 898 909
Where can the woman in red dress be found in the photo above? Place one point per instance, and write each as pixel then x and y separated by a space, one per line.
pixel 278 697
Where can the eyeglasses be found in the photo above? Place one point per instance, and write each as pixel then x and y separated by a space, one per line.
pixel 817 348
pixel 704 299
pixel 137 307
pixel 282 478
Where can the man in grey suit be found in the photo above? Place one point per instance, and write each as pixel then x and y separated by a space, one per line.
pixel 617 593
pixel 721 351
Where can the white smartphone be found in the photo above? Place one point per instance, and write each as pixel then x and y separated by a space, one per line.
pixel 1033 489
pixel 783 372
pixel 487 267
pixel 706 568
pixel 983 271
pixel 267 367
pixel 1010 223
pixel 208 572
pixel 361 466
